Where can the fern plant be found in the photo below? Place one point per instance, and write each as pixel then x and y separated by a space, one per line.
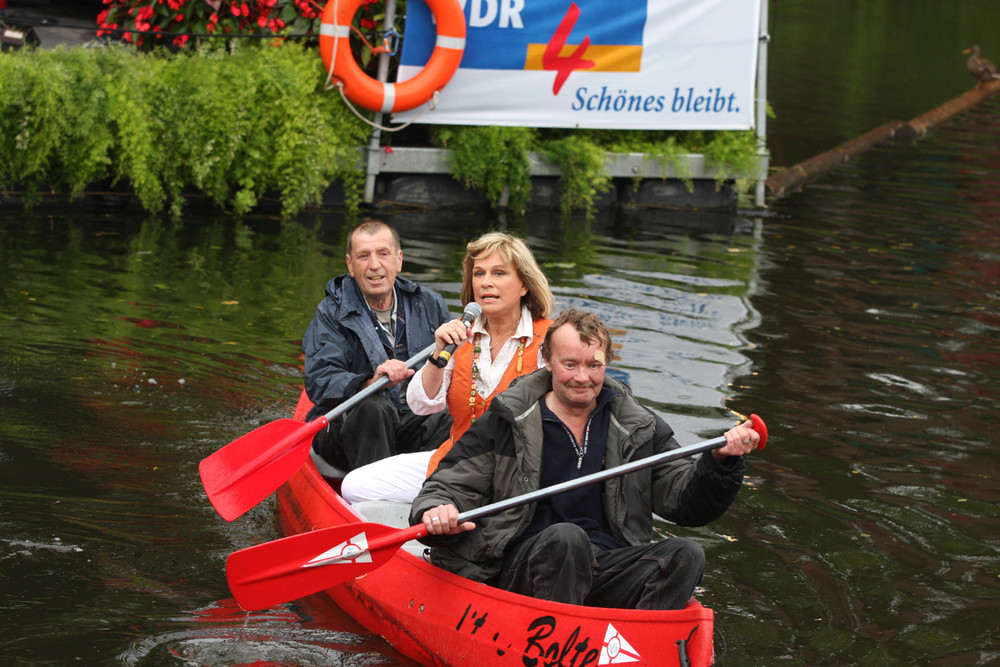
pixel 584 174
pixel 232 123
pixel 491 159
pixel 226 125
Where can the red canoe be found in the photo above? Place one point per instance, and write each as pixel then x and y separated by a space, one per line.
pixel 438 618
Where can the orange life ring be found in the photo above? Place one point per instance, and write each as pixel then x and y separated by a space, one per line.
pixel 335 28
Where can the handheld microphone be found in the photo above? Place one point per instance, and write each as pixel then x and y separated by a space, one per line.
pixel 469 315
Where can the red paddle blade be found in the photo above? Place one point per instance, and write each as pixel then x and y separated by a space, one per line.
pixel 247 470
pixel 294 567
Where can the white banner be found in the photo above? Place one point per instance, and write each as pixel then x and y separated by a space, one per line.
pixel 625 64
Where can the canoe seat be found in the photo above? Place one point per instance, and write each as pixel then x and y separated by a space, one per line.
pixel 391 514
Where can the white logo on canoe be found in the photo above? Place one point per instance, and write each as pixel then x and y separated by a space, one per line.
pixel 354 550
pixel 616 650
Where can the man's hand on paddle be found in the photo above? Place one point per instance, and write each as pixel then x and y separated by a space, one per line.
pixel 443 520
pixel 740 440
pixel 394 369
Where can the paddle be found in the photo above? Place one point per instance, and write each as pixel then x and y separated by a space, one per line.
pixel 247 470
pixel 294 567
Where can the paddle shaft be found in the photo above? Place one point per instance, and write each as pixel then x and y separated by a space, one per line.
pixel 418 531
pixel 412 362
pixel 471 312
pixel 601 475
pixel 320 423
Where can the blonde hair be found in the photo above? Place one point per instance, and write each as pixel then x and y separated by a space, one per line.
pixel 516 252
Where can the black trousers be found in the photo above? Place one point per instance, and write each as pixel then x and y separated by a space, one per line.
pixel 561 564
pixel 374 429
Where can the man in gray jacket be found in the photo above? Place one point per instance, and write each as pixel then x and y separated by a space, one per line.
pixel 591 545
pixel 371 321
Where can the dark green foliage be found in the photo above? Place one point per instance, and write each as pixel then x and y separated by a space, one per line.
pixel 492 159
pixel 232 124
pixel 584 175
pixel 227 125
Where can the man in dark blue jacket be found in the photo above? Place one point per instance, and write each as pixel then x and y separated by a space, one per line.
pixel 371 321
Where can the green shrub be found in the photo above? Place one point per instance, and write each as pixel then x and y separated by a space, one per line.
pixel 494 158
pixel 582 168
pixel 227 125
pixel 52 124
pixel 231 123
pixel 491 159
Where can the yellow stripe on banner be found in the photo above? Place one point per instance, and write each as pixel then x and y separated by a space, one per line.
pixel 607 57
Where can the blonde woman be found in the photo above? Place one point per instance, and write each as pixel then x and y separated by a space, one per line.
pixel 499 273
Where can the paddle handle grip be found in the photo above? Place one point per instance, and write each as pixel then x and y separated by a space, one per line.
pixel 761 428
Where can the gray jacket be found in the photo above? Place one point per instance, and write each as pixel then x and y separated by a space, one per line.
pixel 342 348
pixel 500 457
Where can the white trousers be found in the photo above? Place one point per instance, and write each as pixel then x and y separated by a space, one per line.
pixel 397 478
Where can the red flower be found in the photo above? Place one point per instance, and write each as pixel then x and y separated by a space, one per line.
pixel 217 16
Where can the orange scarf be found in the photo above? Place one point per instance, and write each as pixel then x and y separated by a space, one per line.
pixel 465 404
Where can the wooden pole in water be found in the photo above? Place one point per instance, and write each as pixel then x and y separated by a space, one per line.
pixel 924 123
pixel 792 179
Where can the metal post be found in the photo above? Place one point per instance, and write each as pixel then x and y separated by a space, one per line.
pixel 764 38
pixel 375 141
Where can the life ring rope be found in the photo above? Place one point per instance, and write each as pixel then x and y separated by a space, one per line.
pixel 430 106
pixel 338 31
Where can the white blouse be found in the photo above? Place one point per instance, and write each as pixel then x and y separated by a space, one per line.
pixel 491 371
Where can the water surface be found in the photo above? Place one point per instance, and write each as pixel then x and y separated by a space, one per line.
pixel 859 318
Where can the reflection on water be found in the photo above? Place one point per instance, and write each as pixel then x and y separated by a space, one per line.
pixel 859 318
pixel 880 525
pixel 223 634
pixel 136 347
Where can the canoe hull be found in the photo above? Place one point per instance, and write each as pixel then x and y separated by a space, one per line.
pixel 438 618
